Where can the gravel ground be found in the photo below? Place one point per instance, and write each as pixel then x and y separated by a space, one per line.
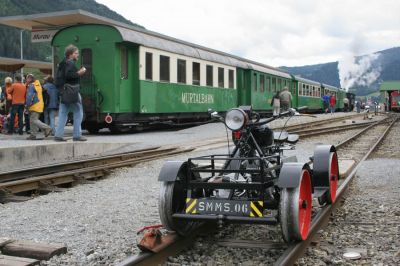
pixel 98 221
pixel 369 220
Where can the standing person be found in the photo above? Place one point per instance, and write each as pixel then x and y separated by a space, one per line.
pixel 18 94
pixel 346 104
pixel 325 102
pixel 34 102
pixel 358 106
pixel 2 100
pixel 67 72
pixel 285 98
pixel 276 104
pixel 7 85
pixel 51 106
pixel 332 103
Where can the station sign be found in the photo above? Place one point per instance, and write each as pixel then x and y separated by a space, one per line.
pixel 42 36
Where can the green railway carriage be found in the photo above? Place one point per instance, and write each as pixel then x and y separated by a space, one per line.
pixel 263 84
pixel 137 78
pixel 309 94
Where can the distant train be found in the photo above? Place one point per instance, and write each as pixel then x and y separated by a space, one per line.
pixel 395 101
pixel 137 78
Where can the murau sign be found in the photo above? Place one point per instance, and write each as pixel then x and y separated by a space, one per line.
pixel 197 98
pixel 42 36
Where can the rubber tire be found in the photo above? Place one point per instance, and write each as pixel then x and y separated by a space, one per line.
pixel 289 207
pixel 172 200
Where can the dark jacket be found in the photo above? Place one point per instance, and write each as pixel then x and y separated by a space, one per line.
pixel 52 91
pixel 71 75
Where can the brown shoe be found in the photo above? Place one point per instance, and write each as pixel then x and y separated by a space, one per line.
pixel 47 132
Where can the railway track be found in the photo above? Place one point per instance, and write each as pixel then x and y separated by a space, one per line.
pixel 49 177
pixel 371 136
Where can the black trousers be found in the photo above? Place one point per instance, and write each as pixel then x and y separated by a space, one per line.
pixel 16 109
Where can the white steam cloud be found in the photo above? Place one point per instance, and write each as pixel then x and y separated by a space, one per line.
pixel 358 71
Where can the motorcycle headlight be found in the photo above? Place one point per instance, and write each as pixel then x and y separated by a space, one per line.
pixel 236 119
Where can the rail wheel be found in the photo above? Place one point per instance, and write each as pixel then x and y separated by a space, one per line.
pixel 172 200
pixel 333 177
pixel 295 209
pixel 326 171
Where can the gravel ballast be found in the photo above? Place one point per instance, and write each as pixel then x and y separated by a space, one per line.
pixel 98 221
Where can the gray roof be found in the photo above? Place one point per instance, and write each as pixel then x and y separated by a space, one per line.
pixel 155 40
pixel 312 82
pixel 329 86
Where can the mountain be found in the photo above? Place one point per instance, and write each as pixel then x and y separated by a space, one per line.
pixel 10 37
pixel 359 74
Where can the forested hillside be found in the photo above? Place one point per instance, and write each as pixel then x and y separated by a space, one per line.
pixel 10 37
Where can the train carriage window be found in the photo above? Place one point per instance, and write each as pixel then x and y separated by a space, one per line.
pixel 196 73
pixel 149 66
pixel 231 77
pixel 221 77
pixel 255 81
pixel 273 85
pixel 262 80
pixel 164 68
pixel 86 59
pixel 124 62
pixel 209 76
pixel 181 71
pixel 267 84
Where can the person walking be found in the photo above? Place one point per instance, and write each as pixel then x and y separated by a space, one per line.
pixel 18 94
pixel 276 104
pixel 358 106
pixel 34 103
pixel 285 99
pixel 7 85
pixel 51 106
pixel 332 103
pixel 68 73
pixel 325 102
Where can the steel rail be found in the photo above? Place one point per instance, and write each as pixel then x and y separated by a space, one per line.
pixel 149 258
pixel 294 251
pixel 83 173
pixel 75 164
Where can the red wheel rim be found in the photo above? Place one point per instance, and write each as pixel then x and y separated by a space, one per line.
pixel 305 205
pixel 333 176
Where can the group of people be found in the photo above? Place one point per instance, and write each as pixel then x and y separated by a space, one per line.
pixel 281 100
pixel 329 102
pixel 35 106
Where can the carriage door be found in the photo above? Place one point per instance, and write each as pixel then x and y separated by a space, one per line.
pixel 88 85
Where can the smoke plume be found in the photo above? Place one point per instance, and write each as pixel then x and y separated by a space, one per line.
pixel 362 71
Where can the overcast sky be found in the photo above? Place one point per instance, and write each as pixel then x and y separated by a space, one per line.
pixel 277 33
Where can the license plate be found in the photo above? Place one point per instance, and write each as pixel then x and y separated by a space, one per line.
pixel 225 207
